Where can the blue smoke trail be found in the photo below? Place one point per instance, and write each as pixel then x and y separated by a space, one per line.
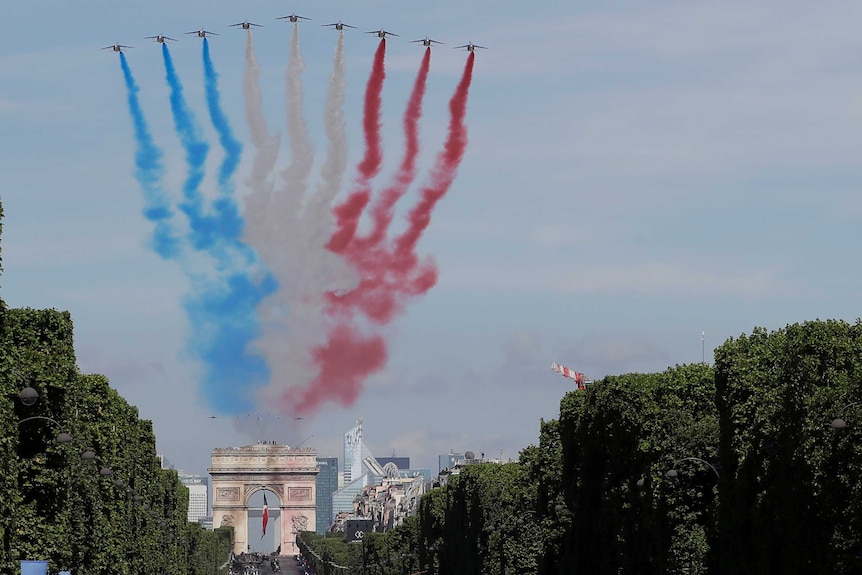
pixel 227 211
pixel 224 323
pixel 148 161
pixel 232 147
pixel 203 234
pixel 222 309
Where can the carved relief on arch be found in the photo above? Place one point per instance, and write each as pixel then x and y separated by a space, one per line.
pixel 227 493
pixel 227 520
pixel 300 523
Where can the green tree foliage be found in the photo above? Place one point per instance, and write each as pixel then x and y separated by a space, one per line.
pixel 790 482
pixel 56 505
pixel 389 553
pixel 618 438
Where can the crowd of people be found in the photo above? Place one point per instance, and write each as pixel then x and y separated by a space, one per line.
pixel 253 564
pixel 303 566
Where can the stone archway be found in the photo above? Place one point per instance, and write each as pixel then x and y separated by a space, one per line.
pixel 289 472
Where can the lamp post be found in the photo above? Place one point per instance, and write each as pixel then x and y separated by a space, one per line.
pixel 28 397
pixel 672 472
pixel 838 422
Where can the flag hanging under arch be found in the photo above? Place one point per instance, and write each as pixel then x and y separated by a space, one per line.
pixel 265 516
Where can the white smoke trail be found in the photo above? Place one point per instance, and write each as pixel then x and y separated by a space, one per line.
pixel 287 259
pixel 296 174
pixel 326 271
pixel 317 269
pixel 258 212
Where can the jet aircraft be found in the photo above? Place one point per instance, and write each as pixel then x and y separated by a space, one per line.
pixel 426 41
pixel 116 47
pixel 471 46
pixel 382 33
pixel 202 33
pixel 293 18
pixel 340 26
pixel 160 38
pixel 246 25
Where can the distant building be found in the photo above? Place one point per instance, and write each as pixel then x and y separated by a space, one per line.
pixel 207 522
pixel 360 469
pixel 197 486
pixel 448 461
pixel 399 462
pixel 327 484
pixel 468 459
pixel 355 452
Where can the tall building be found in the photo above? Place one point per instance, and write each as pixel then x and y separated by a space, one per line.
pixel 327 484
pixel 197 486
pixel 355 452
pixel 359 467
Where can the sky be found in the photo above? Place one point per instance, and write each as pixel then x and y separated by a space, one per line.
pixel 635 176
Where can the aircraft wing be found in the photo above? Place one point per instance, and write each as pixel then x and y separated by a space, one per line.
pixel 482 47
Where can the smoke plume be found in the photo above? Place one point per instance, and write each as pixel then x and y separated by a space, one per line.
pixel 149 172
pixel 347 213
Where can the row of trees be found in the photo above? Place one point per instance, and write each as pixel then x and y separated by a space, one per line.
pixel 56 504
pixel 762 481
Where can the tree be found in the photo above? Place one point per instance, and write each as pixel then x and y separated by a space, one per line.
pixel 790 482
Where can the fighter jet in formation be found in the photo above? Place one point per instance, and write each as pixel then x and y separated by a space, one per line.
pixel 116 47
pixel 160 38
pixel 382 33
pixel 293 18
pixel 340 26
pixel 202 33
pixel 471 46
pixel 246 25
pixel 426 41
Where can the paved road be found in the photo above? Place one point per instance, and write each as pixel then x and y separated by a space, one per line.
pixel 288 567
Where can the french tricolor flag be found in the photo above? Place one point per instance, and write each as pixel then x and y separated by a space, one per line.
pixel 265 516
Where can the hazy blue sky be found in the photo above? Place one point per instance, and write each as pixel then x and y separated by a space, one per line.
pixel 636 174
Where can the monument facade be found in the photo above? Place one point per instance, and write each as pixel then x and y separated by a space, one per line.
pixel 290 472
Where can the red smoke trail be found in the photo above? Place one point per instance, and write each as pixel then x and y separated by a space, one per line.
pixel 382 211
pixel 345 361
pixel 348 212
pixel 388 273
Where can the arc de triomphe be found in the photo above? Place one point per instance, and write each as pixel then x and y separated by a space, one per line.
pixel 289 472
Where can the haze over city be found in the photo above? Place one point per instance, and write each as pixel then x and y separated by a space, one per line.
pixel 635 176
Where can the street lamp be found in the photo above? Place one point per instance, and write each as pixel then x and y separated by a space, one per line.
pixel 839 423
pixel 61 437
pixel 28 396
pixel 672 472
